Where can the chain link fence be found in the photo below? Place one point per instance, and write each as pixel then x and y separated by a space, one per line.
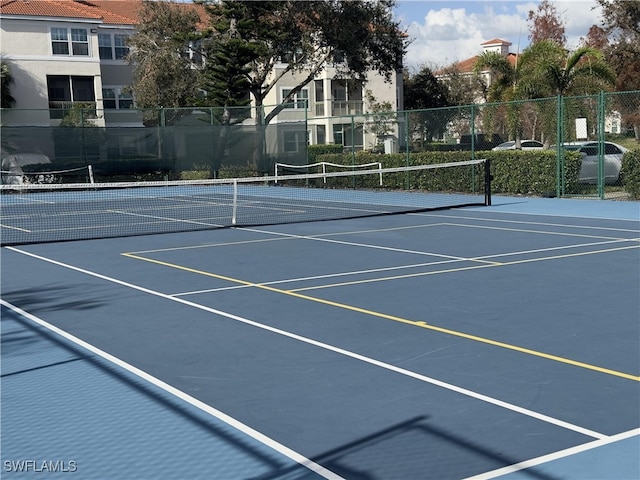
pixel 576 145
pixel 152 144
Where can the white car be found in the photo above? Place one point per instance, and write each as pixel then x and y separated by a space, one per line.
pixel 613 154
pixel 524 145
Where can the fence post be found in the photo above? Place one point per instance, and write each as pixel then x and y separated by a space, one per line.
pixel 559 142
pixel 473 133
pixel 601 149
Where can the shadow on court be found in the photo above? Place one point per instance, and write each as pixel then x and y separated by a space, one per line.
pixel 392 447
pixel 63 298
pixel 14 343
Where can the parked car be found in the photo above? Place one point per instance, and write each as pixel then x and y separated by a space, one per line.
pixel 524 145
pixel 613 154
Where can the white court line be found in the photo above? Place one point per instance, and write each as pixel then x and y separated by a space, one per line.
pixel 529 214
pixel 555 456
pixel 278 447
pixel 169 219
pixel 319 277
pixel 15 228
pixel 332 348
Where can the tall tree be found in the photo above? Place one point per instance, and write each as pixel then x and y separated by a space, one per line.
pixel 423 93
pixel 621 21
pixel 424 90
pixel 164 74
pixel 596 38
pixel 310 35
pixel 552 70
pixel 546 24
pixel 503 87
pixel 6 80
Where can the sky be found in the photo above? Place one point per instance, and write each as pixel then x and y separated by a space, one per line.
pixel 445 32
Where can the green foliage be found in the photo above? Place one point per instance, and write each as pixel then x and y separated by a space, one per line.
pixel 79 115
pixel 548 70
pixel 307 37
pixel 314 151
pixel 237 171
pixel 6 80
pixel 531 172
pixel 163 74
pixel 630 173
pixel 514 172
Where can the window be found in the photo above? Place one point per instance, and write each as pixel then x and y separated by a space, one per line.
pixel 112 46
pixel 60 41
pixel 344 134
pixel 79 41
pixel 104 46
pixel 120 46
pixel 194 53
pixel 291 141
pixel 119 98
pixel 64 91
pixel 299 100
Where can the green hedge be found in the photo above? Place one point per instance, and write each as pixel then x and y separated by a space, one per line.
pixel 465 179
pixel 514 172
pixel 630 173
pixel 531 172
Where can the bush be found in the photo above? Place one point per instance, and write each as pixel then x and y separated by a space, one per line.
pixel 313 151
pixel 630 173
pixel 531 172
pixel 514 172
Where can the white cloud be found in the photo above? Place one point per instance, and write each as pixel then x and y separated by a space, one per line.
pixel 446 35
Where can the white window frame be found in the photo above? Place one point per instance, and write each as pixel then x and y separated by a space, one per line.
pixel 299 100
pixel 73 38
pixel 117 45
pixel 291 141
pixel 120 96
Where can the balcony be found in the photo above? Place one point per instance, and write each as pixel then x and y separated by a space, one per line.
pixel 58 109
pixel 347 107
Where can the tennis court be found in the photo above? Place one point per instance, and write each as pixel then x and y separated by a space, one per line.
pixel 493 341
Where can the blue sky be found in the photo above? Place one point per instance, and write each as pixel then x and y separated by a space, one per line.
pixel 444 32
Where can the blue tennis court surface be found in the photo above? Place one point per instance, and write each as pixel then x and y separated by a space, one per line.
pixel 484 342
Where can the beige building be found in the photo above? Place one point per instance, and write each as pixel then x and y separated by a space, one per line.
pixel 64 52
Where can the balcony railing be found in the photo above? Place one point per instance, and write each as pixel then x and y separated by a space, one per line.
pixel 58 109
pixel 348 107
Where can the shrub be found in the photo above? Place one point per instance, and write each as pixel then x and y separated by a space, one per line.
pixel 630 173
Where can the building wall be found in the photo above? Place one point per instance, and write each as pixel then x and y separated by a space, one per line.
pixel 26 47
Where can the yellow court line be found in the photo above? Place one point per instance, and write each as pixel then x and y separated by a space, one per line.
pixel 385 316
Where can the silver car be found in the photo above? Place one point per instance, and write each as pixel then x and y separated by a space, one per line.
pixel 524 145
pixel 613 154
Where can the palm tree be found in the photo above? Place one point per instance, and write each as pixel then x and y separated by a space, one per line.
pixel 503 87
pixel 6 79
pixel 505 76
pixel 549 70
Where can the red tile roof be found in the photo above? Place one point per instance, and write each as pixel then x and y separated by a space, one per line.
pixel 496 41
pixel 110 13
pixel 115 12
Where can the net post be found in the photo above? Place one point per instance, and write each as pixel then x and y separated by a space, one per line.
pixel 380 169
pixel 91 181
pixel 487 182
pixel 234 217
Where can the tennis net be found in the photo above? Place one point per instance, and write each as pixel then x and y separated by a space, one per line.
pixel 38 213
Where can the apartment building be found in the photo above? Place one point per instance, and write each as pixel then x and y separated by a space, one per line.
pixel 63 52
